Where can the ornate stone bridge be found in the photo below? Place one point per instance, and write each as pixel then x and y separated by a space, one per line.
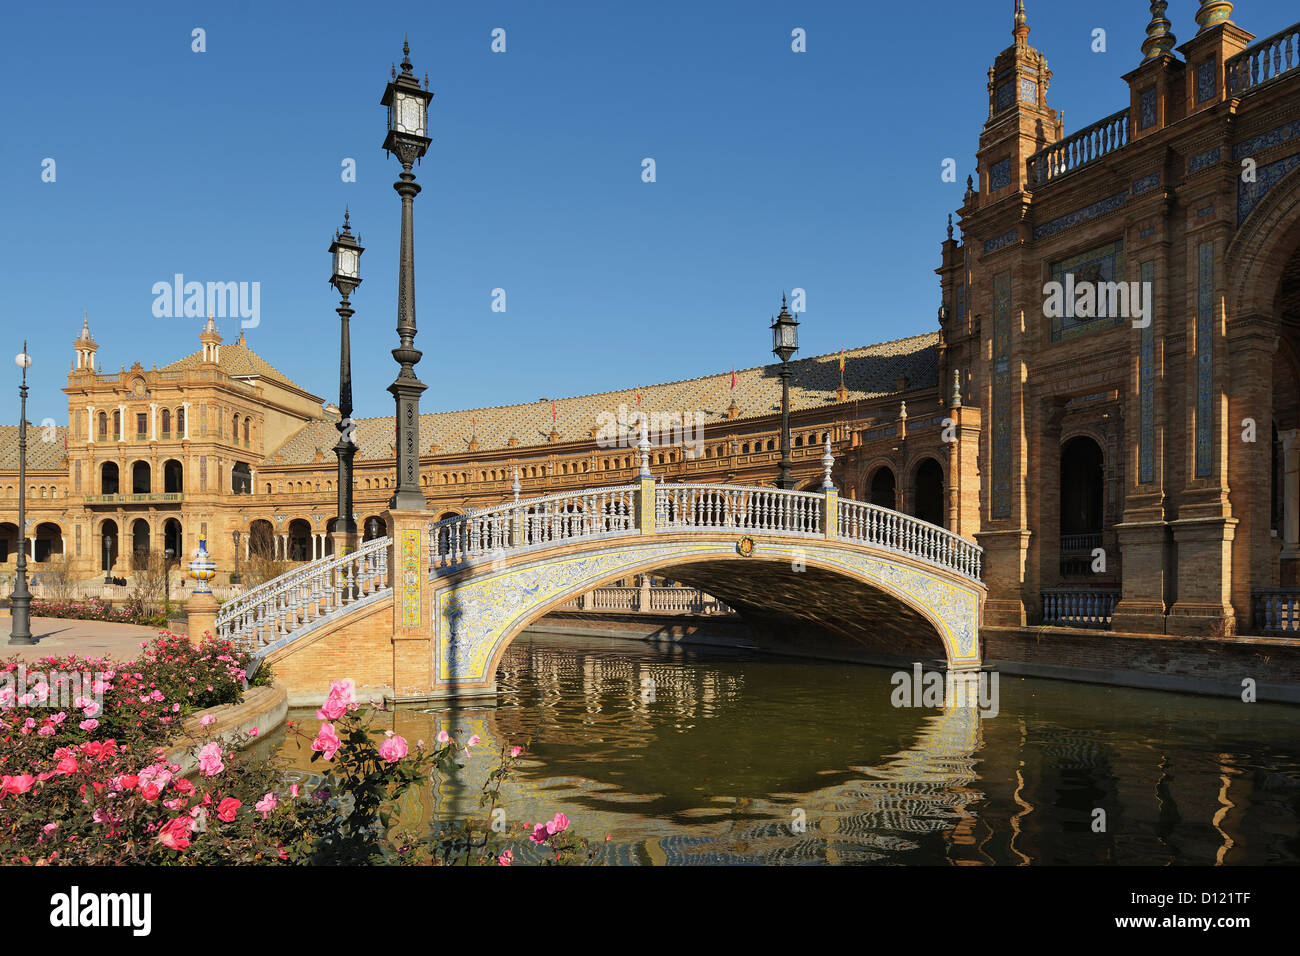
pixel 429 611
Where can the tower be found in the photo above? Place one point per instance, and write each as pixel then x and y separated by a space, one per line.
pixel 211 341
pixel 86 347
pixel 1020 122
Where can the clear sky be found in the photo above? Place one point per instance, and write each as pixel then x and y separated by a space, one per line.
pixel 775 170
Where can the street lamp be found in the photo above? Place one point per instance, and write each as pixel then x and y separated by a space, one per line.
pixel 20 602
pixel 785 342
pixel 408 125
pixel 347 276
pixel 108 557
pixel 234 576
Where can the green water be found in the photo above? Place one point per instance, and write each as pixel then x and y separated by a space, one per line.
pixel 703 755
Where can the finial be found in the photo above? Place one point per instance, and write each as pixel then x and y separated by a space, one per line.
pixel 949 225
pixel 782 300
pixel 406 56
pixel 956 388
pixel 970 186
pixel 828 462
pixel 515 486
pixel 345 218
pixel 1021 27
pixel 1212 13
pixel 392 68
pixel 1160 40
pixel 426 81
pixel 902 409
pixel 643 446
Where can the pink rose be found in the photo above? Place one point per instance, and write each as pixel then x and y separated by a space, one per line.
pixel 443 737
pixel 516 751
pixel 558 825
pixel 539 833
pixel 473 741
pixel 266 804
pixel 210 760
pixel 207 720
pixel 89 724
pixel 151 792
pixel 506 858
pixel 393 749
pixel 327 742
pixel 176 834
pixel 226 809
pixel 19 784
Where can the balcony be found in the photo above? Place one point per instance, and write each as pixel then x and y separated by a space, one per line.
pixel 1276 610
pixel 1079 150
pixel 154 498
pixel 1265 61
pixel 1080 607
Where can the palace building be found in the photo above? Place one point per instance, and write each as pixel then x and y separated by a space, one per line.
pixel 1110 404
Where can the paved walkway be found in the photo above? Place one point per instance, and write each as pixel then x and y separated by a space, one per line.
pixel 61 636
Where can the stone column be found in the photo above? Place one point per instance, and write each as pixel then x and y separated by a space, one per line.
pixel 121 433
pixel 90 423
pixel 186 406
pixel 201 617
pixel 415 654
pixel 153 421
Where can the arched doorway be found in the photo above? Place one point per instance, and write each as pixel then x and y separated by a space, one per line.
pixel 300 540
pixel 883 488
pixel 261 540
pixel 8 541
pixel 108 478
pixel 108 545
pixel 172 538
pixel 173 477
pixel 141 478
pixel 241 479
pixel 47 542
pixel 1082 486
pixel 139 544
pixel 927 492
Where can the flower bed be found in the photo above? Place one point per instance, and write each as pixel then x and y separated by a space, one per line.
pixel 97 609
pixel 92 784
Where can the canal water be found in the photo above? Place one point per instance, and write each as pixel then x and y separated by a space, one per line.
pixel 701 755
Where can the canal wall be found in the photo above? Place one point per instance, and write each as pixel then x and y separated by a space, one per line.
pixel 1217 667
pixel 1211 666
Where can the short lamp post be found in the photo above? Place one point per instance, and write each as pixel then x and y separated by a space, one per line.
pixel 785 342
pixel 108 558
pixel 20 602
pixel 234 575
pixel 346 251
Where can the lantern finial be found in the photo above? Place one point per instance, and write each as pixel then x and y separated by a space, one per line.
pixel 406 55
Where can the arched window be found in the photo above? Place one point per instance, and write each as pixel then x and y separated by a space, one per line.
pixel 245 429
pixel 927 492
pixel 180 420
pixel 108 478
pixel 103 425
pixel 117 424
pixel 166 423
pixel 883 488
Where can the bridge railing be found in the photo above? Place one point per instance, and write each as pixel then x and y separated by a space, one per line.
pixel 904 534
pixel 305 595
pixel 553 519
pixel 698 507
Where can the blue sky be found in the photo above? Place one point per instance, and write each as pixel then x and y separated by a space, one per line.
pixel 775 170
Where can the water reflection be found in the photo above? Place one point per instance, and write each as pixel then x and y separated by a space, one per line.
pixel 715 756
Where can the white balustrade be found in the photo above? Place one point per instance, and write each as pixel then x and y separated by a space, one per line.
pixel 692 507
pixel 303 596
pixel 882 528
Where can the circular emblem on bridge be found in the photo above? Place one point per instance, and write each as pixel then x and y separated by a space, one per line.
pixel 745 546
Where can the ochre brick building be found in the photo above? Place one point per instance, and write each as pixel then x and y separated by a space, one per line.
pixel 1136 465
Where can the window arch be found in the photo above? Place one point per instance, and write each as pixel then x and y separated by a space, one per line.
pixel 166 422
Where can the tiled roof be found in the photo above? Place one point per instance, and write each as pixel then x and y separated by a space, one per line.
pixel 41 454
pixel 236 358
pixel 869 372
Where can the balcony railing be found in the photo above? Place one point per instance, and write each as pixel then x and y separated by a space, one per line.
pixel 1080 543
pixel 1080 149
pixel 1276 610
pixel 1080 607
pixel 1265 61
pixel 161 497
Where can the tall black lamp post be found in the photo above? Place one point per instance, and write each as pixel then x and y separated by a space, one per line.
pixel 785 342
pixel 408 124
pixel 108 558
pixel 346 251
pixel 20 602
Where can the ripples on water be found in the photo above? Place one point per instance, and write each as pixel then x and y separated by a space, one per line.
pixel 704 755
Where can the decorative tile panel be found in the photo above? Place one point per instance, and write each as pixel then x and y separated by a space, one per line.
pixel 1001 242
pixel 1147 108
pixel 1004 96
pixel 1102 264
pixel 1274 137
pixel 1147 389
pixel 1146 184
pixel 1205 360
pixel 409 569
pixel 1000 505
pixel 1028 90
pixel 1202 160
pixel 1266 177
pixel 1099 208
pixel 1000 175
pixel 1207 84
